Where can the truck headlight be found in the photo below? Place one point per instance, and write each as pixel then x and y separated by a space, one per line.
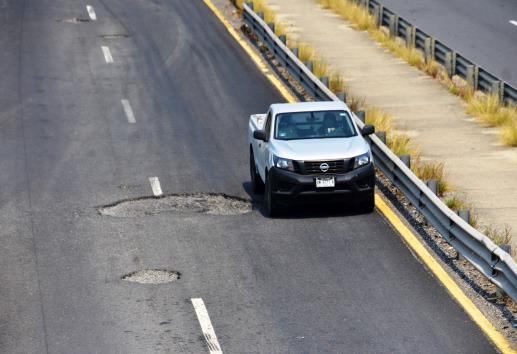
pixel 362 160
pixel 283 164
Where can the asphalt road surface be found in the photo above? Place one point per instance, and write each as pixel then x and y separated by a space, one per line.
pixel 313 282
pixel 481 30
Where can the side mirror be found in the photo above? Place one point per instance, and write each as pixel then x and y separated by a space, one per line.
pixel 368 129
pixel 260 135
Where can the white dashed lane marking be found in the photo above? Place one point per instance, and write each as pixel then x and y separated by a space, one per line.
pixel 91 12
pixel 128 110
pixel 155 185
pixel 513 22
pixel 107 54
pixel 206 326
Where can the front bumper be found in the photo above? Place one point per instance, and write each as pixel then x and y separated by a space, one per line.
pixel 289 187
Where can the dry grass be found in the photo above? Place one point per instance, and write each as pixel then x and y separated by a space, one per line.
pixel 431 170
pixel 489 110
pixel 239 3
pixel 400 144
pixel 499 235
pixel 382 121
pixel 336 82
pixel 320 68
pixel 455 203
pixel 431 68
pixel 305 52
pixel 509 133
pixel 353 12
pixel 260 6
pixel 280 28
pixel 355 103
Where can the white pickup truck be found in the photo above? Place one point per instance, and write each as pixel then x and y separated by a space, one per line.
pixel 310 151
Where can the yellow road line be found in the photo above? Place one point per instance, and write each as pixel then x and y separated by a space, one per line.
pixel 256 59
pixel 453 288
pixel 413 242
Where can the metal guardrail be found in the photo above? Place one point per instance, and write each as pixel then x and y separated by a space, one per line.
pixel 456 64
pixel 497 265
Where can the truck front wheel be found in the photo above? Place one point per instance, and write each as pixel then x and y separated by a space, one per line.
pixel 272 207
pixel 257 186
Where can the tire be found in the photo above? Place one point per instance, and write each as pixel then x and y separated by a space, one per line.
pixel 272 207
pixel 257 186
pixel 367 205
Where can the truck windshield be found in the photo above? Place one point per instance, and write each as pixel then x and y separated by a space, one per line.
pixel 314 125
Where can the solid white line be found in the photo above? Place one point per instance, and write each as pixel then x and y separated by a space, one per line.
pixel 91 12
pixel 155 185
pixel 206 326
pixel 128 110
pixel 513 22
pixel 107 54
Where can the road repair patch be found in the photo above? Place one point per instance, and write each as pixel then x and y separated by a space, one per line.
pixel 207 203
pixel 152 276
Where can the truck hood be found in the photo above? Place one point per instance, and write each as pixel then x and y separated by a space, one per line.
pixel 320 149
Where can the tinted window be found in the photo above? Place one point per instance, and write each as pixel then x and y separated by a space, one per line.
pixel 314 125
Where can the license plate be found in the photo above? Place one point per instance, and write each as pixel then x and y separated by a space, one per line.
pixel 325 182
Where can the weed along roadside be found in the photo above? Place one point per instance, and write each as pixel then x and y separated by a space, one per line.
pixel 418 116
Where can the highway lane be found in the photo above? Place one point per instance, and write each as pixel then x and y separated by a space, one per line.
pixel 301 284
pixel 480 30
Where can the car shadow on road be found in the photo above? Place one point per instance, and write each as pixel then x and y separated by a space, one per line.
pixel 303 211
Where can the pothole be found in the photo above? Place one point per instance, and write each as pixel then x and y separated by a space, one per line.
pixel 214 204
pixel 152 276
pixel 74 20
pixel 115 36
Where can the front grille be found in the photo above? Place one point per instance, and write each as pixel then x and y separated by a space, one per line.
pixel 313 167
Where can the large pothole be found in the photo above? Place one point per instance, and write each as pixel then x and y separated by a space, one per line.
pixel 215 204
pixel 152 276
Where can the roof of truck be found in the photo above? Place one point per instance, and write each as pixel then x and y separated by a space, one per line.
pixel 308 106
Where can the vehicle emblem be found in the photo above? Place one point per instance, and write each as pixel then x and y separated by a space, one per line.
pixel 324 167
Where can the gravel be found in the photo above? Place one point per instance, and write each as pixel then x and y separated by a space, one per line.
pixel 152 276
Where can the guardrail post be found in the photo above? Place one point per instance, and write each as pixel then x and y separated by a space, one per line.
pixel 260 14
pixel 250 5
pixel 411 36
pixel 429 44
pixel 432 184
pixel 496 88
pixel 325 80
pixel 361 115
pixel 309 65
pixel 272 26
pixel 381 136
pixel 472 76
pixel 377 14
pixel 506 248
pixel 393 25
pixel 295 51
pixel 450 63
pixel 406 159
pixel 464 214
pixel 283 38
pixel 341 96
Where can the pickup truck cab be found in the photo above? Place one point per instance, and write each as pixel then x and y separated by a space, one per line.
pixel 310 151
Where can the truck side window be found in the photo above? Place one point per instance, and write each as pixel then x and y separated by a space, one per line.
pixel 267 127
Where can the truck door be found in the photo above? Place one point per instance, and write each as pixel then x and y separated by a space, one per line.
pixel 263 151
